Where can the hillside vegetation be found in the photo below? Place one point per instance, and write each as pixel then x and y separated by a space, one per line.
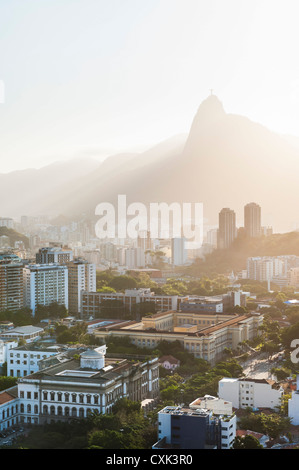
pixel 234 258
pixel 14 236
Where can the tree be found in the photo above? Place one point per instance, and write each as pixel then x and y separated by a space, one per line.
pixel 120 283
pixel 246 442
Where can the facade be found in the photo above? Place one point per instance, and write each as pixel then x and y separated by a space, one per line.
pixel 204 341
pixel 201 304
pixel 55 255
pixel 81 277
pixel 189 428
pixel 135 257
pixel 24 360
pixel 293 405
pixel 254 393
pixel 227 228
pixel 215 304
pixel 265 268
pixel 178 251
pixel 74 388
pixel 45 284
pixel 78 387
pixel 9 408
pixel 92 301
pixel 11 284
pixel 252 220
pixel 5 347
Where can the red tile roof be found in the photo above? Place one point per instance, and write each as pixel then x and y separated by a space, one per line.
pixel 5 397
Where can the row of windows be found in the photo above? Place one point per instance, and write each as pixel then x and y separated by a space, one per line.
pixel 10 412
pixel 38 356
pixel 72 397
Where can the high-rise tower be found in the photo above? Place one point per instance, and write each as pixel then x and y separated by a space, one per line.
pixel 227 228
pixel 252 220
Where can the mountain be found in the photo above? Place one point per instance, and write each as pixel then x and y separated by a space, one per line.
pixel 27 192
pixel 226 160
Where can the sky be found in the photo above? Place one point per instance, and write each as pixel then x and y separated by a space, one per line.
pixel 97 77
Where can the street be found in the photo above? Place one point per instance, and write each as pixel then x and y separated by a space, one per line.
pixel 259 367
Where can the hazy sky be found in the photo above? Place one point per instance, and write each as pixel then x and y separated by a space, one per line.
pixel 90 77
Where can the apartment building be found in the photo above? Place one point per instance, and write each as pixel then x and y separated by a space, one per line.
pixel 227 231
pixel 53 254
pixel 190 428
pixel 11 283
pixel 248 392
pixel 81 277
pixel 45 284
pixel 252 220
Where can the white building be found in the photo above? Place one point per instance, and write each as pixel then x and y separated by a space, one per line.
pixel 215 404
pixel 26 333
pixel 5 347
pixel 178 251
pixel 24 360
pixel 78 387
pixel 45 284
pixel 253 393
pixel 135 257
pixel 53 254
pixel 293 405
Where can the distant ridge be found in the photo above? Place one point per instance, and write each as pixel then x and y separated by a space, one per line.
pixel 235 258
pixel 226 160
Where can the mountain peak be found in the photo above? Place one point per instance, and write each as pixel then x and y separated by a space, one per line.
pixel 209 113
pixel 211 107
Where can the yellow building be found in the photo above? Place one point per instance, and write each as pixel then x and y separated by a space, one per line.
pixel 206 341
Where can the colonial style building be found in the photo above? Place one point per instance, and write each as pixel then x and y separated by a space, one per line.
pixel 207 336
pixel 79 386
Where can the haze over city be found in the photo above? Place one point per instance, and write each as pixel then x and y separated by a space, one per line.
pixel 96 78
